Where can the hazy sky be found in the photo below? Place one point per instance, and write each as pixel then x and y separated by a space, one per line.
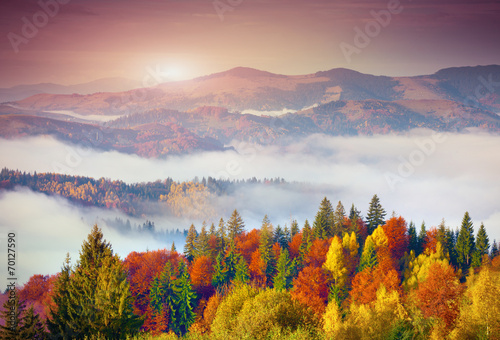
pixel 83 40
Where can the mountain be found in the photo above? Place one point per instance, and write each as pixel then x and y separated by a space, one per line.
pixel 101 85
pixel 241 89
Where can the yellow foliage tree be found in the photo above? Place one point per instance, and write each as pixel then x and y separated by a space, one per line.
pixel 416 269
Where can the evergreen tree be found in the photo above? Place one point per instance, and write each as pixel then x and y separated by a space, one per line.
pixel 32 326
pixel 306 241
pixel 185 304
pixel 422 239
pixel 287 236
pixel 220 276
pixel 202 247
pixel 294 228
pixel 354 213
pixel 338 220
pixel 465 245
pixel 173 249
pixel 231 262
pixel 482 246
pixel 222 234
pixel 12 316
pixel 412 237
pixel 323 222
pixel 265 246
pixel 279 237
pixel 368 256
pixel 283 278
pixel 494 250
pixel 241 276
pixel 235 226
pixel 189 247
pixel 375 216
pixel 212 231
pixel 95 298
pixel 162 296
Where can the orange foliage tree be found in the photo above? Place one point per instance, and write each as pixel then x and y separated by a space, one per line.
pixel 439 295
pixel 310 287
pixel 247 243
pixel 257 269
pixel 397 236
pixel 316 255
pixel 201 272
pixel 294 246
pixel 431 240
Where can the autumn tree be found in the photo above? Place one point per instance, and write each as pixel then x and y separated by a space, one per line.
pixel 201 272
pixel 310 287
pixel 376 214
pixel 397 236
pixel 235 226
pixel 439 294
pixel 336 267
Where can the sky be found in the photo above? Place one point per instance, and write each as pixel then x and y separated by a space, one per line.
pixel 77 41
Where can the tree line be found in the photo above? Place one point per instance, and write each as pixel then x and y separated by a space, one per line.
pixel 344 276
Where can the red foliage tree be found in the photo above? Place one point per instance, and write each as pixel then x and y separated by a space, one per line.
pixel 37 292
pixel 257 269
pixel 311 288
pixel 294 245
pixel 317 253
pixel 439 295
pixel 142 269
pixel 276 250
pixel 201 272
pixel 431 240
pixel 397 236
pixel 247 243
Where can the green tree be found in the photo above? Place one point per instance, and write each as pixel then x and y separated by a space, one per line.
pixel 162 295
pixel 376 215
pixel 235 226
pixel 422 239
pixel 482 246
pixel 173 249
pixel 494 249
pixel 220 276
pixel 202 247
pixel 412 237
pixel 338 220
pixel 190 246
pixel 12 316
pixel 185 304
pixel 368 256
pixel 323 222
pixel 465 246
pixel 354 213
pixel 280 237
pixel 32 326
pixel 294 228
pixel 283 278
pixel 241 276
pixel 265 247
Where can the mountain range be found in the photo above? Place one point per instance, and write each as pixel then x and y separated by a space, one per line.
pixel 208 112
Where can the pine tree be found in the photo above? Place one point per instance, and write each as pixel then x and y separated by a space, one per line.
pixel 202 247
pixel 12 316
pixel 354 213
pixel 368 256
pixel 412 237
pixel 323 222
pixel 32 326
pixel 235 226
pixel 494 250
pixel 212 231
pixel 231 262
pixel 338 220
pixel 279 237
pixel 185 304
pixel 220 276
pixel 306 241
pixel 222 234
pixel 265 247
pixel 241 276
pixel 482 246
pixel 173 249
pixel 162 298
pixel 465 242
pixel 287 236
pixel 283 278
pixel 189 247
pixel 422 239
pixel 294 228
pixel 375 216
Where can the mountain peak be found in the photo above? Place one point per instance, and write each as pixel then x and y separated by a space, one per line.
pixel 244 72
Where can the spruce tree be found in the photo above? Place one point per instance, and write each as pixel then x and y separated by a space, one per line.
pixel 185 304
pixel 422 239
pixel 294 228
pixel 189 247
pixel 482 246
pixel 412 237
pixel 354 213
pixel 306 241
pixel 32 326
pixel 173 249
pixel 323 222
pixel 265 247
pixel 222 234
pixel 220 276
pixel 338 220
pixel 283 278
pixel 241 276
pixel 494 250
pixel 12 316
pixel 202 247
pixel 279 237
pixel 368 256
pixel 375 216
pixel 162 296
pixel 465 245
pixel 235 226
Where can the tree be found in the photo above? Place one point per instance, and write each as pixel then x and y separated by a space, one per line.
pixel 201 275
pixel 201 244
pixel 376 214
pixel 32 327
pixel 494 250
pixel 190 247
pixel 336 266
pixel 422 239
pixel 354 213
pixel 368 256
pixel 235 226
pixel 412 237
pixel 241 276
pixel 162 301
pixel 465 245
pixel 280 237
pixel 95 298
pixel 185 303
pixel 283 277
pixel 12 316
pixel 397 236
pixel 220 276
pixel 482 246
pixel 310 287
pixel 323 222
pixel 338 220
pixel 294 228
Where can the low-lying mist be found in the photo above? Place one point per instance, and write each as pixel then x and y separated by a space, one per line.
pixel 421 176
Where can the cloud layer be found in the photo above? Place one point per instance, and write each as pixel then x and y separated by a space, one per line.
pixel 421 176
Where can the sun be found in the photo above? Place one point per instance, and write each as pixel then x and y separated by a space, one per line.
pixel 172 73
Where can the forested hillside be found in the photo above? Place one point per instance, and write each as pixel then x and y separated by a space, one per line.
pixel 340 276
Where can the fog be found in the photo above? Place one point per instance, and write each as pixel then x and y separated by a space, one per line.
pixel 420 176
